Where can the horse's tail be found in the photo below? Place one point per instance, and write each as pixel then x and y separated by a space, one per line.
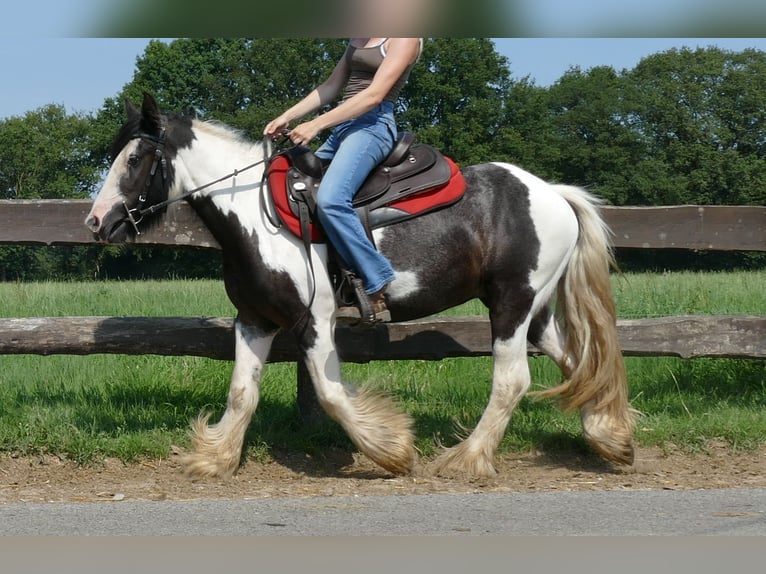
pixel 596 381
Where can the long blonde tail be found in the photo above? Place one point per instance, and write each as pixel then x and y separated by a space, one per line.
pixel 596 381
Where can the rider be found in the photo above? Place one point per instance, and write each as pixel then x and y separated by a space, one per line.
pixel 369 76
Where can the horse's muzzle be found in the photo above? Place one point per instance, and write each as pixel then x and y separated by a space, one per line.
pixel 114 228
pixel 92 222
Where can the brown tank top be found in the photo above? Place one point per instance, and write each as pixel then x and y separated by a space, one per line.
pixel 363 63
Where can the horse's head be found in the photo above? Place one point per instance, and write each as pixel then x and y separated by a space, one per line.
pixel 141 175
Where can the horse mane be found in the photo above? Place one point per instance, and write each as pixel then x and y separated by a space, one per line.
pixel 224 131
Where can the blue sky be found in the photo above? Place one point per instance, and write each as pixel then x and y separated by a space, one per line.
pixel 43 60
pixel 80 73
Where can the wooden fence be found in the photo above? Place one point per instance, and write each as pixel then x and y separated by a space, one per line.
pixel 54 222
pixel 709 228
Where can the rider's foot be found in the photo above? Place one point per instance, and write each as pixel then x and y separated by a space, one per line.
pixel 352 314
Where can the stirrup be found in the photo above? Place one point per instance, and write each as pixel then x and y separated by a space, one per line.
pixel 353 316
pixel 369 310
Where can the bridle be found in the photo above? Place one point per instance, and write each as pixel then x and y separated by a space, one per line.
pixel 159 160
pixel 136 215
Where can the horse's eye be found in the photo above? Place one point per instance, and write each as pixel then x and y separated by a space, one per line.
pixel 133 160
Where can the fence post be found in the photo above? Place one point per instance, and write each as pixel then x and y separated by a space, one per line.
pixel 309 408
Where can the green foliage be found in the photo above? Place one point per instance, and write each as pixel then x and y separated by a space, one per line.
pixel 46 154
pixel 683 126
pixel 455 96
pixel 595 146
pixel 525 136
pixel 241 82
pixel 700 116
pixel 26 263
pixel 134 407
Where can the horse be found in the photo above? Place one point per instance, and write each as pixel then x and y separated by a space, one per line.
pixel 536 254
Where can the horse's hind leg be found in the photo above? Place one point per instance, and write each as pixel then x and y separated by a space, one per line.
pixel 217 448
pixel 510 381
pixel 548 335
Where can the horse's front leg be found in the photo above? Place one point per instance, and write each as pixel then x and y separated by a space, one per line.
pixel 217 448
pixel 373 422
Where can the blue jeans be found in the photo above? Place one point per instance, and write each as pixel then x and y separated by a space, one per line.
pixel 355 147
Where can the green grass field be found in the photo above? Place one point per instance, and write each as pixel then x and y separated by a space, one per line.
pixel 133 407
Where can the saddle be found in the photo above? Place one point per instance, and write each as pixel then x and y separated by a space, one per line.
pixel 414 179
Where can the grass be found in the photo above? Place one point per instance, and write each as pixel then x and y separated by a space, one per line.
pixel 133 407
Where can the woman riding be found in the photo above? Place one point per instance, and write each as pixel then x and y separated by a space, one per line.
pixel 369 76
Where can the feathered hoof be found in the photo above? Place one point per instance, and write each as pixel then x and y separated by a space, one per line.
pixel 611 437
pixel 621 453
pixel 403 463
pixel 211 456
pixel 460 461
pixel 199 467
pixel 393 450
pixel 382 432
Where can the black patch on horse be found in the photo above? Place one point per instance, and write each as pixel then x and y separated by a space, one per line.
pixel 263 296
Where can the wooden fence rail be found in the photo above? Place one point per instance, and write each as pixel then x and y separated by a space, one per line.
pixel 719 228
pixel 55 222
pixel 689 336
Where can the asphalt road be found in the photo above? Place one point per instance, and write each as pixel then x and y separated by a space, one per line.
pixel 735 512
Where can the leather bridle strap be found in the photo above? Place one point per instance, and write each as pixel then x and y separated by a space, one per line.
pixel 159 160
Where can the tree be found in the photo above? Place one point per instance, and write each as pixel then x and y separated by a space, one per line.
pixel 241 82
pixel 455 98
pixel 592 134
pixel 525 137
pixel 700 113
pixel 46 154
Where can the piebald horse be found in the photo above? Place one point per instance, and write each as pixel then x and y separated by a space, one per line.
pixel 536 254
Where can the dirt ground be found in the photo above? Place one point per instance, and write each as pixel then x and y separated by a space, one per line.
pixel 49 479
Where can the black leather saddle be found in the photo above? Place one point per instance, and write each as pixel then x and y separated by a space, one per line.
pixel 410 168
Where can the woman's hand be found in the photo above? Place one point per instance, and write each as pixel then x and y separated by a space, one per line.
pixel 276 126
pixel 302 134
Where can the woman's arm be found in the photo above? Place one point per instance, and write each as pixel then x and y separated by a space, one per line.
pixel 401 53
pixel 323 94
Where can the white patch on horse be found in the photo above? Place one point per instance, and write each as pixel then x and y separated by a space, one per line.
pixel 239 194
pixel 111 195
pixel 556 242
pixel 218 151
pixel 404 284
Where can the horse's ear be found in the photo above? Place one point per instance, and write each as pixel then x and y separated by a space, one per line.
pixel 150 113
pixel 131 110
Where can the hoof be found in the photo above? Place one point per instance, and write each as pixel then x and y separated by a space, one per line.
pixel 460 461
pixel 212 455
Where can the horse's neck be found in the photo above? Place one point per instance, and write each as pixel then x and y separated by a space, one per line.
pixel 236 199
pixel 216 153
